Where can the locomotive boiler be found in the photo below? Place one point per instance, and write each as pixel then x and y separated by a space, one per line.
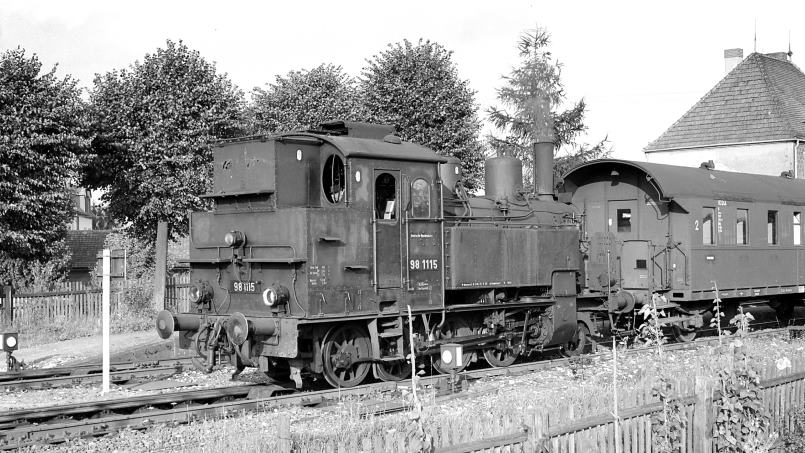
pixel 320 243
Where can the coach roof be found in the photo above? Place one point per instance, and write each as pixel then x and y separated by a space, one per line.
pixel 686 182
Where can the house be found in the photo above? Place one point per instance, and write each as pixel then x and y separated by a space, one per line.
pixel 84 246
pixel 752 121
pixel 83 209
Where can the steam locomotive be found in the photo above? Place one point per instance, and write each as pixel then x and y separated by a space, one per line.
pixel 335 252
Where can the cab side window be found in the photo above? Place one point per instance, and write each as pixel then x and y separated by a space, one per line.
pixel 420 198
pixel 386 197
pixel 332 179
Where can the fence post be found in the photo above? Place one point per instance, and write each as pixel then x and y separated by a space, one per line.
pixel 8 305
pixel 284 434
pixel 702 420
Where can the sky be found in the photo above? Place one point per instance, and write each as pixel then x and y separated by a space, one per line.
pixel 638 65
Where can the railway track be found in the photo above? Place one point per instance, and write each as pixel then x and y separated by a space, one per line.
pixel 55 424
pixel 38 379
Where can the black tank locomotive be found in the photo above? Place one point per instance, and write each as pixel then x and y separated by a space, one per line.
pixel 319 243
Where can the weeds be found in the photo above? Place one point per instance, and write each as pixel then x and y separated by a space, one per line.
pixel 742 423
pixel 650 331
pixel 668 426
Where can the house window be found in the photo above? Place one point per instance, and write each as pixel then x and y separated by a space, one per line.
pixel 797 228
pixel 771 227
pixel 420 199
pixel 624 220
pixel 741 226
pixel 707 226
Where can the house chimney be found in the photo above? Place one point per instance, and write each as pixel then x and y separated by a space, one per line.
pixel 732 57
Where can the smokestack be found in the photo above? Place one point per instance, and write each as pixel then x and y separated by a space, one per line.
pixel 543 149
pixel 732 57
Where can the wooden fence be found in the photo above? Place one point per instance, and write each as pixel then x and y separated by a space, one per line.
pixel 590 428
pixel 783 392
pixel 71 300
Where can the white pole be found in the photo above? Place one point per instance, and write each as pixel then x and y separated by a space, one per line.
pixel 413 355
pixel 615 394
pixel 106 286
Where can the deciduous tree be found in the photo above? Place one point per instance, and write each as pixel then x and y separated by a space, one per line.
pixel 417 88
pixel 539 75
pixel 306 98
pixel 42 135
pixel 154 124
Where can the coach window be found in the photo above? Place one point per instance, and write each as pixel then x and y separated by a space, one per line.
pixel 332 179
pixel 707 226
pixel 624 220
pixel 420 199
pixel 741 226
pixel 771 227
pixel 797 228
pixel 386 197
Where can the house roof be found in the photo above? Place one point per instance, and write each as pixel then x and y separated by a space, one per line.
pixel 760 100
pixel 84 246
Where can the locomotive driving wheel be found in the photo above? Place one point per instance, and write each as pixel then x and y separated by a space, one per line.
pixel 683 334
pixel 393 371
pixel 342 349
pixel 578 345
pixel 500 357
pixel 458 327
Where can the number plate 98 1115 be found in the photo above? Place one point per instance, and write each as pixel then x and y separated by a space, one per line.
pixel 244 287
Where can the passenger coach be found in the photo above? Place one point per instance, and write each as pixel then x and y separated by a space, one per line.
pixel 683 232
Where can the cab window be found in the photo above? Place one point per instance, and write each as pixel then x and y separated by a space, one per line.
pixel 420 198
pixel 332 179
pixel 386 197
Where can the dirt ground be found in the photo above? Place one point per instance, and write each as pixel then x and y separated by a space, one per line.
pixel 133 346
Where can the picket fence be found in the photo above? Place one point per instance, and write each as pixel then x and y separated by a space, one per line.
pixel 71 300
pixel 591 428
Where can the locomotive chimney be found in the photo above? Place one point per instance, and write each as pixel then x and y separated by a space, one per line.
pixel 543 149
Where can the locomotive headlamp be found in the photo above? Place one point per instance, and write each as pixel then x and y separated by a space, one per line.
pixel 276 295
pixel 200 292
pixel 10 342
pixel 452 355
pixel 234 238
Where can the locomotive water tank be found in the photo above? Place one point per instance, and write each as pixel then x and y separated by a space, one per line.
pixel 503 177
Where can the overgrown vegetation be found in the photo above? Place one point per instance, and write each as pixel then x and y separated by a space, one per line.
pixel 667 426
pixel 742 423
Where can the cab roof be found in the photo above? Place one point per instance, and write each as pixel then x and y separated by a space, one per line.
pixel 390 147
pixel 675 182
